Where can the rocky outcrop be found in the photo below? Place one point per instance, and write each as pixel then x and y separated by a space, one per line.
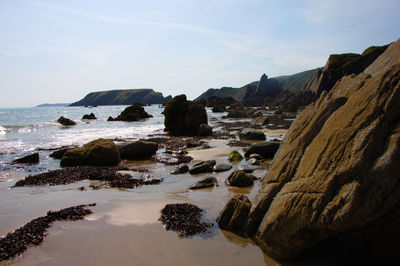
pixel 335 178
pixel 132 113
pixel 66 121
pixel 29 159
pixel 122 97
pixel 100 152
pixel 183 117
pixel 266 88
pixel 233 216
pixel 91 116
pixel 137 150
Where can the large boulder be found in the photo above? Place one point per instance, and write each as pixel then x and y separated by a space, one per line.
pixel 100 152
pixel 234 215
pixel 266 149
pixel 132 113
pixel 137 150
pixel 183 117
pixel 335 180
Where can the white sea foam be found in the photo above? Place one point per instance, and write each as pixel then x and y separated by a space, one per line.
pixel 3 130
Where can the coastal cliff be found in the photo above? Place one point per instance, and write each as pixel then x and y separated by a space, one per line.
pixel 122 97
pixel 335 179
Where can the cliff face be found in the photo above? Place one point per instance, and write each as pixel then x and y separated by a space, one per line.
pixel 123 97
pixel 335 178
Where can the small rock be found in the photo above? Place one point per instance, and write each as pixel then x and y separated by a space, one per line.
pixel 260 121
pixel 205 183
pixel 221 167
pixel 91 116
pixel 251 134
pixel 65 121
pixel 240 179
pixel 266 149
pixel 180 170
pixel 202 167
pixel 204 130
pixel 29 159
pixel 235 156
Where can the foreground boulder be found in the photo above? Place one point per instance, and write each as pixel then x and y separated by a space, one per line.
pixel 335 179
pixel 240 178
pixel 137 150
pixel 266 149
pixel 234 215
pixel 100 152
pixel 183 117
pixel 29 159
pixel 132 113
pixel 65 121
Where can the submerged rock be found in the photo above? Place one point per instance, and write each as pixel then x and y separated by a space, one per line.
pixel 65 121
pixel 202 167
pixel 180 170
pixel 89 117
pixel 183 218
pixel 29 159
pixel 100 152
pixel 206 182
pixel 239 178
pixel 137 150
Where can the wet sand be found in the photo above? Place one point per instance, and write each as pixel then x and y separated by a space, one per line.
pixel 124 229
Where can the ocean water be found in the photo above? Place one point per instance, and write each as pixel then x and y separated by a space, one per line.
pixel 26 130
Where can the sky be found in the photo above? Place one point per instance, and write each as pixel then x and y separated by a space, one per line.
pixel 59 51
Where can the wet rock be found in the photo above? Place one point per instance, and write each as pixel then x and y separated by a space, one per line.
pixel 219 108
pixel 89 117
pixel 205 183
pixel 204 130
pixel 180 170
pixel 125 181
pixel 233 216
pixel 235 156
pixel 278 112
pixel 239 178
pixel 202 167
pixel 253 161
pixel 237 113
pixel 100 152
pixel 172 158
pixel 260 121
pixel 251 134
pixel 137 150
pixel 183 117
pixel 183 218
pixel 266 149
pixel 58 154
pixel 65 121
pixel 33 233
pixel 248 168
pixel 29 159
pixel 221 167
pixel 132 113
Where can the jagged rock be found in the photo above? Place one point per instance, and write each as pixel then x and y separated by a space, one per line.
pixel 239 178
pixel 29 159
pixel 100 152
pixel 260 121
pixel 266 149
pixel 251 134
pixel 65 121
pixel 180 170
pixel 91 116
pixel 202 167
pixel 204 130
pixel 137 150
pixel 206 182
pixel 334 181
pixel 132 113
pixel 235 156
pixel 234 215
pixel 183 117
pixel 221 167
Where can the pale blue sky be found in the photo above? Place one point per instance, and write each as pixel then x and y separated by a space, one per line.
pixel 58 51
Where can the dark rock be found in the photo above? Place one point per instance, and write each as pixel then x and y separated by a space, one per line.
pixel 204 130
pixel 132 113
pixel 248 168
pixel 183 218
pixel 183 117
pixel 137 150
pixel 65 121
pixel 253 161
pixel 172 158
pixel 205 183
pixel 202 167
pixel 278 112
pixel 266 149
pixel 33 233
pixel 219 108
pixel 91 116
pixel 180 170
pixel 251 134
pixel 100 152
pixel 58 154
pixel 237 113
pixel 29 159
pixel 233 216
pixel 235 156
pixel 239 178
pixel 260 121
pixel 221 167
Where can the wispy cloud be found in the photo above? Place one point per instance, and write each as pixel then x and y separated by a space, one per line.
pixel 123 21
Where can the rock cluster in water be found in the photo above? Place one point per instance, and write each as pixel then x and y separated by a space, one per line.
pixel 132 113
pixel 33 233
pixel 66 121
pixel 184 218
